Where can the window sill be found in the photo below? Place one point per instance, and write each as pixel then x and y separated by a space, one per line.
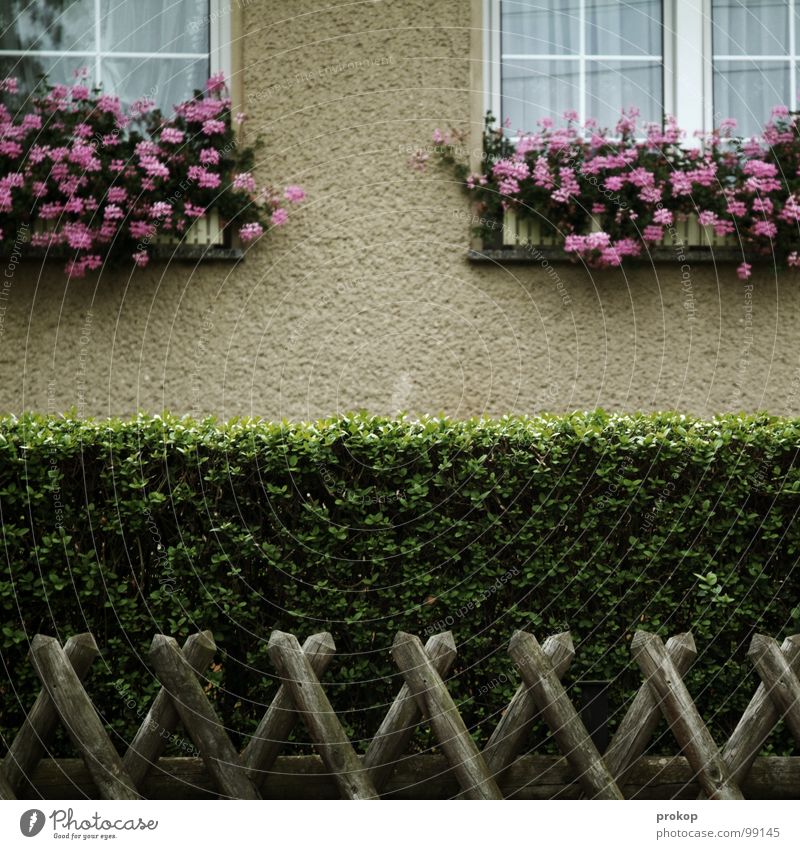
pixel 177 253
pixel 534 255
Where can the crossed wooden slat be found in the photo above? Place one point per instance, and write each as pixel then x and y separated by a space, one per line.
pixel 423 697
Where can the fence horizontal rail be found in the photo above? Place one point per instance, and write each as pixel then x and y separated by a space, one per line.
pixel 420 776
pixel 502 769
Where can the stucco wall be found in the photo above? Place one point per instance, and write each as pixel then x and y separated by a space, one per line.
pixel 366 299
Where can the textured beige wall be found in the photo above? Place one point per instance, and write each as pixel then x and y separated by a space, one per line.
pixel 366 299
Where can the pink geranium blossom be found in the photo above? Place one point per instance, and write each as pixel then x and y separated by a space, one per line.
pixel 250 231
pixel 294 194
pixel 65 145
pixel 279 217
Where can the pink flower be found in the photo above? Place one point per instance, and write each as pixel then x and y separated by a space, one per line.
pixel 737 208
pixel 116 194
pixel 109 103
pixel 141 229
pixel 762 205
pixel 653 233
pixel 212 127
pixel 154 167
pixel 209 156
pixel 215 83
pixel 744 271
pixel 663 216
pixel 294 194
pixel 142 106
pixel 244 181
pixel 78 236
pixel 172 135
pixel 193 211
pixel 141 258
pixel 767 229
pixel 651 194
pixel 209 180
pixel 74 205
pixel 113 212
pixel 31 122
pixel 10 148
pixel 241 117
pixel 250 231
pixel 160 209
pixel 707 218
pixel 9 84
pixel 279 217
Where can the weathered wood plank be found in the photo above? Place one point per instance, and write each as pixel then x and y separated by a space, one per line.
pixel 683 717
pixel 30 743
pixel 322 723
pixel 393 737
pixel 780 681
pixel 7 793
pixel 438 707
pixel 421 776
pixel 512 730
pixel 80 719
pixel 757 721
pixel 162 718
pixel 642 718
pixel 561 717
pixel 200 719
pixel 280 718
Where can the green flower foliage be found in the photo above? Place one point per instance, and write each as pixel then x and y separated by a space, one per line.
pixel 366 526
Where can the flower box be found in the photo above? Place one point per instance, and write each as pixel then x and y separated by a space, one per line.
pixel 518 231
pixel 204 232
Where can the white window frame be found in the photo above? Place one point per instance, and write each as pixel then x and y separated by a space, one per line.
pixel 687 59
pixel 219 54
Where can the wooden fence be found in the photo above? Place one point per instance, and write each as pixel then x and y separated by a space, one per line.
pixel 387 770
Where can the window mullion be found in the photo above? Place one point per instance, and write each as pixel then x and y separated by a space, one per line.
pixel 97 79
pixel 582 66
pixel 691 66
pixel 792 58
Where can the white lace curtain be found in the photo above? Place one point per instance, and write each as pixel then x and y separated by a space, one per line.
pixel 754 59
pixel 594 57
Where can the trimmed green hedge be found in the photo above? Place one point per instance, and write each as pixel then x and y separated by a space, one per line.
pixel 365 526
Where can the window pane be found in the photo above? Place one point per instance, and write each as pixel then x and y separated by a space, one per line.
pixel 747 91
pixel 167 81
pixel 54 25
pixel 150 26
pixel 614 86
pixel 548 26
pixel 750 27
pixel 623 28
pixel 539 89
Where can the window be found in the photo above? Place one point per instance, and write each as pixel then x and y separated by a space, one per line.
pixel 755 59
pixel 161 49
pixel 591 56
pixel 699 60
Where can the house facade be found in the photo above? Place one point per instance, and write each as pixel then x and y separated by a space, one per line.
pixel 370 298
